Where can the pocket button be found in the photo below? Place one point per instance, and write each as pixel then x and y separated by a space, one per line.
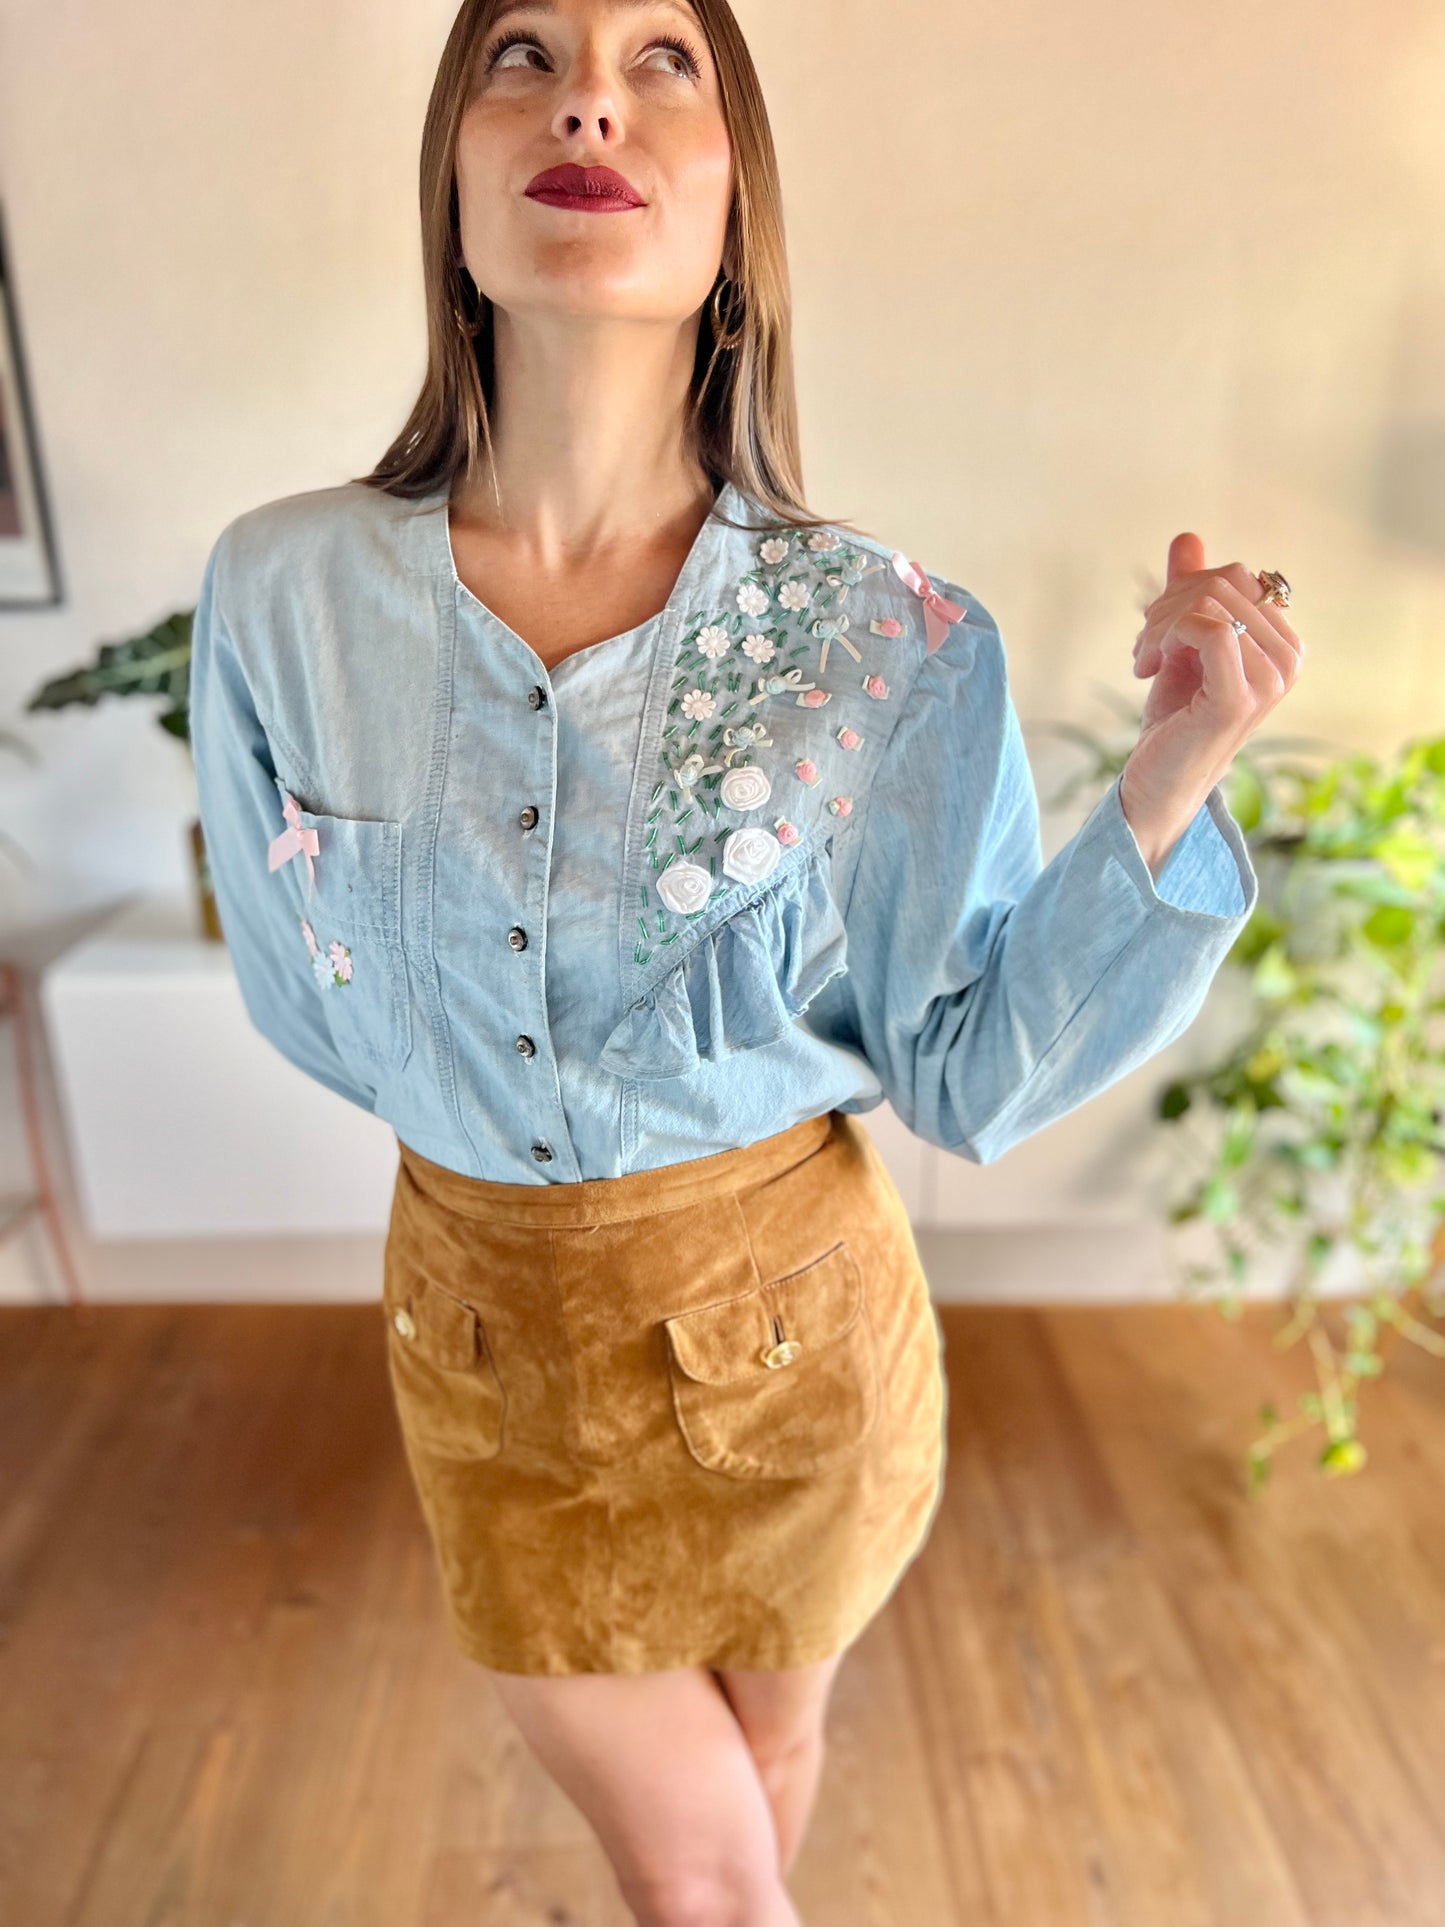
pixel 404 1323
pixel 783 1353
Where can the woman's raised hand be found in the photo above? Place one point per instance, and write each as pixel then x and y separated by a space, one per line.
pixel 1213 687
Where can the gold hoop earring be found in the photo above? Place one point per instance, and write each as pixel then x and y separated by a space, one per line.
pixel 723 337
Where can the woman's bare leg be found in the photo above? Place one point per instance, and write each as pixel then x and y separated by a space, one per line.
pixel 783 1716
pixel 658 1765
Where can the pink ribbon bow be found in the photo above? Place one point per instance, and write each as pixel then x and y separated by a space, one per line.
pixel 294 842
pixel 938 611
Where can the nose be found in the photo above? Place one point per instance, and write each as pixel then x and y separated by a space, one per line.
pixel 588 104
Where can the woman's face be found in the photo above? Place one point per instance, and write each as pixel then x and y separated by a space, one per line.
pixel 622 84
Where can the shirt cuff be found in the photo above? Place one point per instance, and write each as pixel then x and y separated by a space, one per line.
pixel 1208 873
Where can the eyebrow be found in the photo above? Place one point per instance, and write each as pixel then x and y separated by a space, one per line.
pixel 622 6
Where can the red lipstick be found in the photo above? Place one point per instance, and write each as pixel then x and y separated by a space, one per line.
pixel 593 190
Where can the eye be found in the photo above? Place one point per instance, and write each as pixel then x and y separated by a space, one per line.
pixel 679 49
pixel 518 37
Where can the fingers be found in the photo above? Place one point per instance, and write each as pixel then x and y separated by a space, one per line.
pixel 1234 588
pixel 1186 556
pixel 1251 590
pixel 1240 677
pixel 1286 655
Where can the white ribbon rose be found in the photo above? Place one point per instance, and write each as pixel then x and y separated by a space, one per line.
pixel 750 855
pixel 745 788
pixel 685 887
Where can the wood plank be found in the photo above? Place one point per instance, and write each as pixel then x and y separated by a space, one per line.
pixel 1113 1691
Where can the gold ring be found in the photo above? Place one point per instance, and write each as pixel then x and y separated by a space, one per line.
pixel 1276 589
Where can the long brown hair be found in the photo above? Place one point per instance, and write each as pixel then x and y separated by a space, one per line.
pixel 743 415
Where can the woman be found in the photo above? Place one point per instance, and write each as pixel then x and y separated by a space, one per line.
pixel 628 829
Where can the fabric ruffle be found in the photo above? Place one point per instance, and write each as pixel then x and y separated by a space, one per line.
pixel 741 986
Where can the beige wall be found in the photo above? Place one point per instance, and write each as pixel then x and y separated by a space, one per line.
pixel 1068 279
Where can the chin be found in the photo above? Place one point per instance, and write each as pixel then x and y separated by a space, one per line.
pixel 585 296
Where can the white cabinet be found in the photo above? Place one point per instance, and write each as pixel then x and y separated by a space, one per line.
pixel 182 1120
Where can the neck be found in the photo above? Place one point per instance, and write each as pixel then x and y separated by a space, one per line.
pixel 589 434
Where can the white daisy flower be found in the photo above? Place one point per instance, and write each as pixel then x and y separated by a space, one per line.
pixel 753 600
pixel 697 702
pixel 759 648
pixel 714 641
pixel 774 549
pixel 822 541
pixel 795 595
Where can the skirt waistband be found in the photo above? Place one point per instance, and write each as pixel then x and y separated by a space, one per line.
pixel 637 1194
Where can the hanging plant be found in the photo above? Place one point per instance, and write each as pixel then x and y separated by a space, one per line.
pixel 1317 1140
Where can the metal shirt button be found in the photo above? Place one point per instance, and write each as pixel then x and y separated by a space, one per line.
pixel 542 1153
pixel 537 696
pixel 528 818
pixel 782 1354
pixel 404 1323
pixel 517 937
pixel 526 1047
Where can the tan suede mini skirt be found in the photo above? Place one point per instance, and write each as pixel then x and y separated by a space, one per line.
pixel 692 1416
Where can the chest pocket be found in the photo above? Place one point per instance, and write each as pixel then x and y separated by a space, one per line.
pixel 349 929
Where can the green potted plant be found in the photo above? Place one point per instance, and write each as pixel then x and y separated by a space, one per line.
pixel 1316 1139
pixel 157 663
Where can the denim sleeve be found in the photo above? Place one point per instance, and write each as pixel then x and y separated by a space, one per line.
pixel 991 994
pixel 240 811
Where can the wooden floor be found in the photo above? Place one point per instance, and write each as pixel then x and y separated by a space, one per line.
pixel 1112 1690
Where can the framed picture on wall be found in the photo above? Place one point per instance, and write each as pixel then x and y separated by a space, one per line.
pixel 29 577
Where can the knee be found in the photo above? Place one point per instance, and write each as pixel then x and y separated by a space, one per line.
pixel 692 1898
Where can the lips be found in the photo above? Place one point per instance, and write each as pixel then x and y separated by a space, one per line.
pixel 595 190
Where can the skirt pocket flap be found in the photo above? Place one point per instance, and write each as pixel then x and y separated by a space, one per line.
pixel 448 1330
pixel 772 1326
pixel 449 1398
pixel 783 1381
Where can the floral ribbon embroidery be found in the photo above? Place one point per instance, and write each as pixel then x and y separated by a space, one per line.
pixel 293 842
pixel 780 685
pixel 828 630
pixel 331 965
pixel 775 628
pixel 938 612
pixel 747 857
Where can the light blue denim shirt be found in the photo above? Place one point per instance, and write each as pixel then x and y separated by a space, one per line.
pixel 773 852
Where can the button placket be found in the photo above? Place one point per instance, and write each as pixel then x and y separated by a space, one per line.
pixel 527 820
